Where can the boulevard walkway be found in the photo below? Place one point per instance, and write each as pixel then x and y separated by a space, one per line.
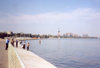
pixel 3 55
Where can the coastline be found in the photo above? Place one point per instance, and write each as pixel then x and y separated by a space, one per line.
pixel 29 59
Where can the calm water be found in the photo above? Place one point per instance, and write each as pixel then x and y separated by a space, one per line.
pixel 69 53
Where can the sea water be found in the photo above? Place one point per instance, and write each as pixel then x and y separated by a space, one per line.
pixel 68 53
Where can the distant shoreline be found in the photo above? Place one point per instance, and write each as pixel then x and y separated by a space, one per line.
pixel 25 38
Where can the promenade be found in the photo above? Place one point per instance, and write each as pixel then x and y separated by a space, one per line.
pixel 31 60
pixel 19 58
pixel 3 55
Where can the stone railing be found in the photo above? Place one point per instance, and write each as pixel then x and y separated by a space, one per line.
pixel 14 60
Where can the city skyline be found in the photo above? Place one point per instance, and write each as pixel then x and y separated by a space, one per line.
pixel 67 34
pixel 46 16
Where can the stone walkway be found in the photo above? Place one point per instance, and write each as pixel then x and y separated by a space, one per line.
pixel 3 55
pixel 31 60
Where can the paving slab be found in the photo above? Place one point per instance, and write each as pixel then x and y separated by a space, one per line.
pixel 31 60
pixel 3 55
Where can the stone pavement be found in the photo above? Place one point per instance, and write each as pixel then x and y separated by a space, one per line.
pixel 3 55
pixel 31 60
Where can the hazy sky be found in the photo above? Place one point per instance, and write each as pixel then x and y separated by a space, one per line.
pixel 46 16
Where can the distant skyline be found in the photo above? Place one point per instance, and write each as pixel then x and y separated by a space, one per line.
pixel 47 16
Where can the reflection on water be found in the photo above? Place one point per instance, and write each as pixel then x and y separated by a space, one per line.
pixel 40 41
pixel 69 53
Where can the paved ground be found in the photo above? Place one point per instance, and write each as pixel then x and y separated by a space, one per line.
pixel 31 60
pixel 3 55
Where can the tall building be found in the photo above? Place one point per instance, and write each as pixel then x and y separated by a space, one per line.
pixel 58 33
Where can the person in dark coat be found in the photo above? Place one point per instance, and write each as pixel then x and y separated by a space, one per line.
pixel 23 45
pixel 16 43
pixel 12 42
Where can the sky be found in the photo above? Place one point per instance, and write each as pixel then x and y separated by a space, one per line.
pixel 47 16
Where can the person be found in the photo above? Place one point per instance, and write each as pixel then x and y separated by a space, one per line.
pixel 7 43
pixel 12 42
pixel 28 44
pixel 40 41
pixel 23 45
pixel 20 42
pixel 16 43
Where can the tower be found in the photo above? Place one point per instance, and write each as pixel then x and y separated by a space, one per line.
pixel 58 33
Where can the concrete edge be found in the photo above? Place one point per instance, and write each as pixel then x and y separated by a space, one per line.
pixel 22 64
pixel 33 54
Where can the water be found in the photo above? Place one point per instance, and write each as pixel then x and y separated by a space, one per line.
pixel 68 53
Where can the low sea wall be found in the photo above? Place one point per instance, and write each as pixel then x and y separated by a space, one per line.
pixel 19 58
pixel 14 60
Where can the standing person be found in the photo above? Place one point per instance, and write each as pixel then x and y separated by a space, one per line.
pixel 40 41
pixel 7 43
pixel 28 44
pixel 12 42
pixel 20 42
pixel 16 43
pixel 23 45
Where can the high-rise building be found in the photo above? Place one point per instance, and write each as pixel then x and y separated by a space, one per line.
pixel 58 33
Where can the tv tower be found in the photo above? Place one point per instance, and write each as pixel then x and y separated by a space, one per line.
pixel 58 33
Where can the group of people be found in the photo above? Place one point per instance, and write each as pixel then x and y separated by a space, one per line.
pixel 16 42
pixel 24 45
